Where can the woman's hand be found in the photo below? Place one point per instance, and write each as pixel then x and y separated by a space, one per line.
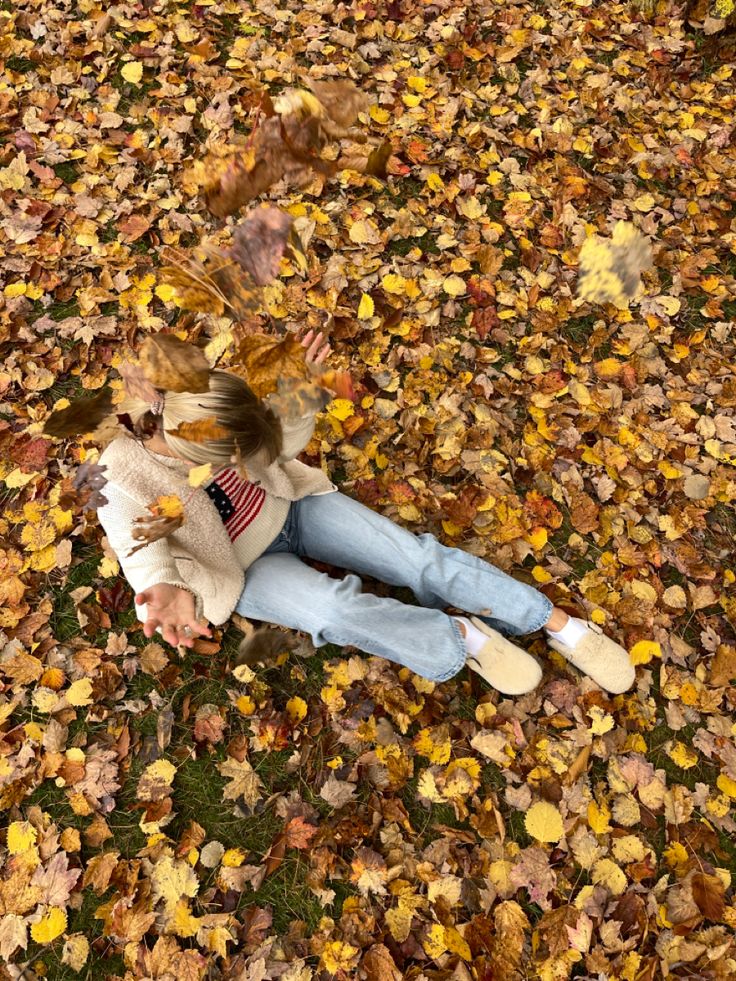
pixel 317 347
pixel 172 609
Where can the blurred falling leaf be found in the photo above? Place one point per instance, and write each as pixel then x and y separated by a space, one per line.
pixel 172 365
pixel 167 514
pixel 82 416
pixel 200 431
pixel 260 241
pixel 610 269
pixel 262 360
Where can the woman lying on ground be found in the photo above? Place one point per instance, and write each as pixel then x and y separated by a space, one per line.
pixel 243 541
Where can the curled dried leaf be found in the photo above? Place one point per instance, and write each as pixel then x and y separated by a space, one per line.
pixel 167 514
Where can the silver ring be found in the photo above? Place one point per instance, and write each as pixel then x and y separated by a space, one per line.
pixel 187 630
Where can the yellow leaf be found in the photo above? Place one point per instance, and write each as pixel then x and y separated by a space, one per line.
pixel 599 818
pixel 75 952
pixel 246 705
pixel 161 770
pixel 537 538
pixel 417 82
pixel 676 855
pixel 296 709
pixel 50 926
pixel 168 506
pixel 434 943
pixel 602 721
pixel 670 472
pixel 541 575
pixel 435 182
pixel 132 72
pixel 726 785
pixel 366 308
pixel 645 202
pixel 339 956
pixel 434 744
pixel 456 943
pixel 233 858
pixel 454 286
pixel 79 692
pixel 108 567
pixel 393 283
pixel 183 924
pixel 198 475
pixel 644 651
pixel 544 822
pixel 607 874
pixel 165 292
pixel 485 712
pixel 683 756
pixel 341 409
pixel 21 837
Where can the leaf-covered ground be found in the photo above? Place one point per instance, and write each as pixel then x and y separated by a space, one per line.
pixel 332 815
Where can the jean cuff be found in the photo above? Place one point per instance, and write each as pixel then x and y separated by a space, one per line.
pixel 460 663
pixel 544 617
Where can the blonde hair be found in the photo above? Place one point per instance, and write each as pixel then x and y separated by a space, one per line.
pixel 252 427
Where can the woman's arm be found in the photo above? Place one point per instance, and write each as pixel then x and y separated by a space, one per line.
pixel 169 602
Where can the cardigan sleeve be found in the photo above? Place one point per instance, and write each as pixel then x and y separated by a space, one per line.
pixel 296 435
pixel 150 565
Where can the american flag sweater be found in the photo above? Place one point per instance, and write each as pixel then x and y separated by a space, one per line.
pixel 248 513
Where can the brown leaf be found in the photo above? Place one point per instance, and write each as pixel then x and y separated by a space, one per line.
pixel 148 530
pixel 260 241
pixel 263 645
pixel 299 833
pixel 708 894
pixel 99 870
pixel 208 725
pixel 723 665
pixel 82 416
pixel 172 365
pixel 379 965
pixel 341 99
pixel 262 360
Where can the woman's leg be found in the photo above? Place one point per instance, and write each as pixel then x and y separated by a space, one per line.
pixel 334 528
pixel 280 588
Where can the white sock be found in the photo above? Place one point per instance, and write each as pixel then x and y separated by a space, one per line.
pixel 474 638
pixel 571 633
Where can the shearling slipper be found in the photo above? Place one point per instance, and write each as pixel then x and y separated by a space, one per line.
pixel 601 658
pixel 506 667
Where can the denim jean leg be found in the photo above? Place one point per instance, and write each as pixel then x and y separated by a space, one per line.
pixel 334 528
pixel 280 588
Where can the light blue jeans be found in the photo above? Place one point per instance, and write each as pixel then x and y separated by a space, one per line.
pixel 280 588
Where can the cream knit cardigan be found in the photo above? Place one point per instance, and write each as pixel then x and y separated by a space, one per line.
pixel 199 555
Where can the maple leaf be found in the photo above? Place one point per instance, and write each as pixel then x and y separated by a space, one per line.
pixel 244 781
pixel 262 360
